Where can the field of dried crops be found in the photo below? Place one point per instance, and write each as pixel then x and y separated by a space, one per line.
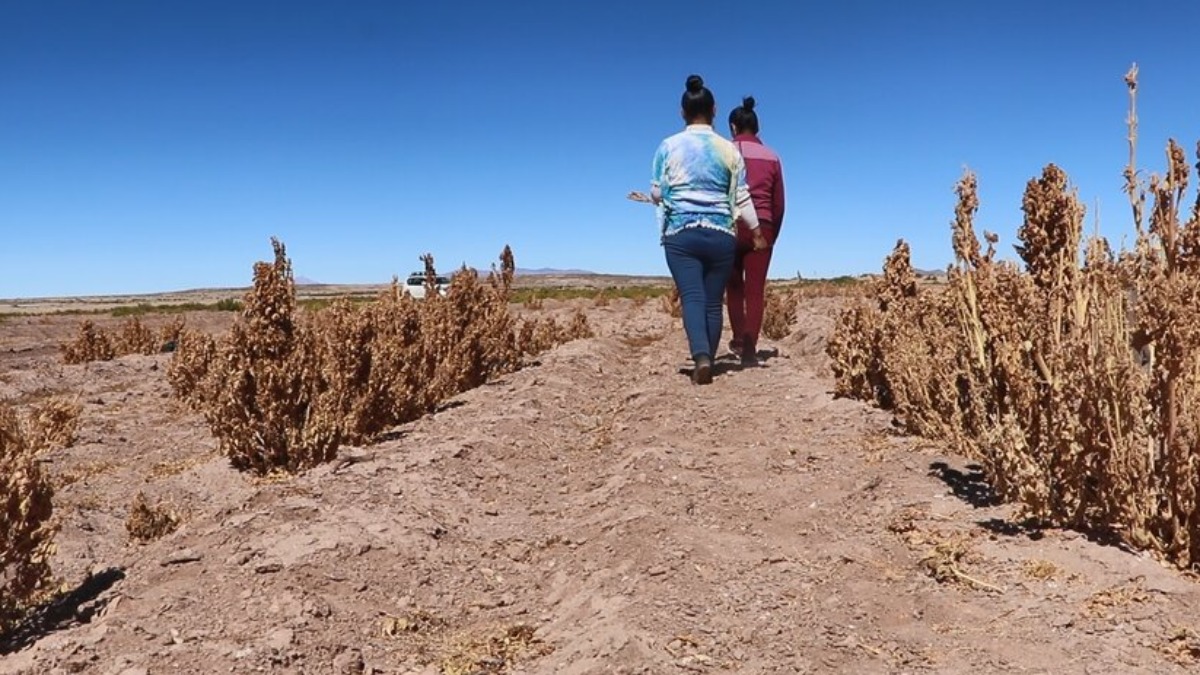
pixel 585 510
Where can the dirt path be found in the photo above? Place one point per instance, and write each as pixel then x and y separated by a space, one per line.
pixel 593 514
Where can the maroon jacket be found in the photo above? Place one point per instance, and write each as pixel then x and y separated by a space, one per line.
pixel 764 176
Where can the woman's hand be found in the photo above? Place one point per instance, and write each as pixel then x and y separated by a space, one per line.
pixel 655 197
pixel 760 242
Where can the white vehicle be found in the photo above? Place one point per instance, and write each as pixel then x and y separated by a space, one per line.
pixel 415 285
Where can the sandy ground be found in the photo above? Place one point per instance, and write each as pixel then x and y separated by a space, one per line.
pixel 594 513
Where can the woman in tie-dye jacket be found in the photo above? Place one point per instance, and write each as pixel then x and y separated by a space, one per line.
pixel 699 185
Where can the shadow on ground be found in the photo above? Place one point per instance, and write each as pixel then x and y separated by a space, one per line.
pixel 729 363
pixel 969 485
pixel 68 609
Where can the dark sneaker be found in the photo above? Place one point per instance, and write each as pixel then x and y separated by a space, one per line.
pixel 702 373
pixel 735 347
pixel 750 356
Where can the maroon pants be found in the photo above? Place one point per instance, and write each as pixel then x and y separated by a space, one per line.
pixel 745 290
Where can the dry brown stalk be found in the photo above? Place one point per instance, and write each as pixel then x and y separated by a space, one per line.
pixel 415 622
pixel 1102 603
pixel 147 522
pixel 1133 185
pixel 943 562
pixel 1182 645
pixel 492 653
pixel 1042 570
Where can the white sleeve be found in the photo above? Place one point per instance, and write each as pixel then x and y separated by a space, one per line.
pixel 745 209
pixel 743 206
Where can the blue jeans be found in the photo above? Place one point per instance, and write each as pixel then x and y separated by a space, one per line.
pixel 701 260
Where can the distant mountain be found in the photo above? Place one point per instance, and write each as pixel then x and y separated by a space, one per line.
pixel 549 270
pixel 305 281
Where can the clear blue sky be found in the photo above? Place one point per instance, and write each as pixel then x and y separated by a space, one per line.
pixel 149 145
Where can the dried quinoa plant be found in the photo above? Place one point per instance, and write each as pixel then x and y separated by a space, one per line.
pixel 508 272
pixel 26 528
pixel 195 356
pixel 1074 379
pixel 52 424
pixel 169 333
pixel 147 522
pixel 469 335
pixel 374 364
pixel 135 338
pixel 91 344
pixel 671 303
pixel 535 336
pixel 779 314
pixel 578 328
pixel 266 388
pixel 878 349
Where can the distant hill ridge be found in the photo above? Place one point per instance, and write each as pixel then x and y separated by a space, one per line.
pixel 550 270
pixel 535 271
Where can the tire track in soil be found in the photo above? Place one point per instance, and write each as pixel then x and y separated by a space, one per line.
pixel 640 524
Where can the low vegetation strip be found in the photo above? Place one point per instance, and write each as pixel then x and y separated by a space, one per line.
pixel 282 391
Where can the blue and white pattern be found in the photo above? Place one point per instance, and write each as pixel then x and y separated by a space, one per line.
pixel 701 179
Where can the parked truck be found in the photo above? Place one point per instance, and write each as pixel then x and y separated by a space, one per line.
pixel 415 285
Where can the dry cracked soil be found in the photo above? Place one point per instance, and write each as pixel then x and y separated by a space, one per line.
pixel 592 513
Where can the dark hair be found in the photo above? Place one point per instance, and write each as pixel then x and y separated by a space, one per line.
pixel 743 118
pixel 698 102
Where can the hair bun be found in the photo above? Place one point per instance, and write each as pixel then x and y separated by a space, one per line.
pixel 695 84
pixel 748 103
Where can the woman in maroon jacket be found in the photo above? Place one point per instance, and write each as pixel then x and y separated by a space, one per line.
pixel 745 291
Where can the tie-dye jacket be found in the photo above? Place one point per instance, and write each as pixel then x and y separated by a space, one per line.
pixel 699 180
